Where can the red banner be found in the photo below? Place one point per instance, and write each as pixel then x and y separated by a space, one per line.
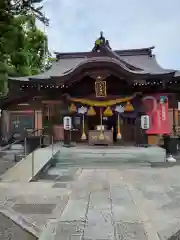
pixel 156 107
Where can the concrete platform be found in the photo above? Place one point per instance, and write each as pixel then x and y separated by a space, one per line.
pixel 22 171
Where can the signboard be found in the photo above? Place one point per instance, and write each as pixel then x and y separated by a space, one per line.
pixel 156 107
pixel 67 122
pixel 100 88
pixel 145 122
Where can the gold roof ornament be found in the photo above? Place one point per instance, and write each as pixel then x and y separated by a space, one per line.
pixel 128 107
pixel 91 112
pixel 73 108
pixel 108 112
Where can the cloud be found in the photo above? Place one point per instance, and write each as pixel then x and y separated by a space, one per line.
pixel 75 24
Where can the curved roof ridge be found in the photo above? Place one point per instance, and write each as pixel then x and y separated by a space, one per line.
pixel 86 53
pixel 135 51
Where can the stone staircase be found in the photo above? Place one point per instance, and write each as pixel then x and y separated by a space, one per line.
pixel 91 156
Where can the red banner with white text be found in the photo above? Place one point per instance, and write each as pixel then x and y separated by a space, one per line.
pixel 156 107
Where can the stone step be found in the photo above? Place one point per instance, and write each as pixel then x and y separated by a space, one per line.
pixel 100 155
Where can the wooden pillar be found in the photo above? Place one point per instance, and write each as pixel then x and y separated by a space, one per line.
pixel 5 125
pixel 38 122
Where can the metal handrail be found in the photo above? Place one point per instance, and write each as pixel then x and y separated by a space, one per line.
pixel 24 138
pixel 32 134
pixel 19 140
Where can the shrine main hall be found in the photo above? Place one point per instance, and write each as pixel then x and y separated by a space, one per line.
pixel 104 91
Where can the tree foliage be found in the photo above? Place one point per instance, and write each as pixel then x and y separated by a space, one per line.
pixel 31 48
pixel 23 7
pixel 22 45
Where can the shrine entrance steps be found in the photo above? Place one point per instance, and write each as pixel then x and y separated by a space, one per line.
pixel 104 155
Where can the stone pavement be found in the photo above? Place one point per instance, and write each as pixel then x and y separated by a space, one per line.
pixel 122 200
pixel 30 205
pixel 129 203
pixel 110 203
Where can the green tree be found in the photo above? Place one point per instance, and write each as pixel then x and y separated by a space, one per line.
pixel 31 51
pixel 22 45
pixel 23 7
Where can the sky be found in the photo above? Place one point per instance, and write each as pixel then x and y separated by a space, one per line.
pixel 75 25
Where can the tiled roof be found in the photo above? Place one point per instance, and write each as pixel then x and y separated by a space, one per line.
pixel 137 61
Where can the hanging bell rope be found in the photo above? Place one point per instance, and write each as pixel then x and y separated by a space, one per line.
pixel 83 136
pixel 101 136
pixel 118 128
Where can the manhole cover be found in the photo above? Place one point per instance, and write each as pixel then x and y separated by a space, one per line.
pixel 34 208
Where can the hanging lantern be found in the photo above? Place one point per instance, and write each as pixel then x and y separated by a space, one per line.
pixel 91 112
pixel 128 107
pixel 83 136
pixel 108 112
pixel 73 108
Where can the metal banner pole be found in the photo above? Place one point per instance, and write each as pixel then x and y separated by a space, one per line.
pixel 40 140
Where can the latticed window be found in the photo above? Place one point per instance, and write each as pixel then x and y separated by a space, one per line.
pixel 20 122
